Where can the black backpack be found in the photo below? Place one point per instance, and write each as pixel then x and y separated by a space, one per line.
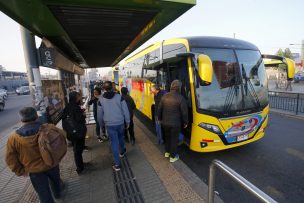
pixel 73 130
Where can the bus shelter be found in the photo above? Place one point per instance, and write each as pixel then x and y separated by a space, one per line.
pixel 80 34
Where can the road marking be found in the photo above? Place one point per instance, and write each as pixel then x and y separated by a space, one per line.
pixel 295 153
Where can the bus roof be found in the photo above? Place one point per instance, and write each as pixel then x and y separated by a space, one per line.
pixel 219 42
pixel 198 42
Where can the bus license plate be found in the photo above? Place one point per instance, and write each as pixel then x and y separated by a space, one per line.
pixel 241 138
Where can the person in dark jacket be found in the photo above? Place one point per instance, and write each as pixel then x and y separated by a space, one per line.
pixel 172 113
pixel 158 94
pixel 113 113
pixel 24 159
pixel 131 106
pixel 94 100
pixel 74 111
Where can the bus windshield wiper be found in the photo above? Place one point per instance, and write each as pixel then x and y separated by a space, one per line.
pixel 232 91
pixel 247 83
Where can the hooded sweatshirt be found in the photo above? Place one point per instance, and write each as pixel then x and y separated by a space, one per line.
pixel 22 150
pixel 112 110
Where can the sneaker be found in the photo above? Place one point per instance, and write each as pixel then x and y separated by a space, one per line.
pixel 100 140
pixel 167 154
pixel 104 137
pixel 174 159
pixel 116 168
pixel 123 154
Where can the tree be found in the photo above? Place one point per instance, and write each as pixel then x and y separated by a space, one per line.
pixel 280 52
pixel 288 54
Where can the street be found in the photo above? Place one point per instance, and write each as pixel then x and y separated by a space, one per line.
pixel 275 164
pixel 9 117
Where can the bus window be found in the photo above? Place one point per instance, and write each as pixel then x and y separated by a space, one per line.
pixel 150 75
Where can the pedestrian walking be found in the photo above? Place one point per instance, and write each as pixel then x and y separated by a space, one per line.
pixel 113 113
pixel 76 128
pixel 93 101
pixel 173 114
pixel 158 93
pixel 23 157
pixel 131 107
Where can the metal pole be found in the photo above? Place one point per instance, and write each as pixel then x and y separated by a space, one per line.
pixel 298 98
pixel 238 178
pixel 32 66
pixel 211 183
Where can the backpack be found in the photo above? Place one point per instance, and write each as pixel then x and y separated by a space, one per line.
pixel 71 128
pixel 52 144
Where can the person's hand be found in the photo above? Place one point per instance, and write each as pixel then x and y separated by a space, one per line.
pixel 185 125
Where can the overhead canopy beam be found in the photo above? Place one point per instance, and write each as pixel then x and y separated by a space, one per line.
pixel 95 33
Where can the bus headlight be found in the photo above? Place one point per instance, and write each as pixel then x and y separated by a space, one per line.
pixel 212 128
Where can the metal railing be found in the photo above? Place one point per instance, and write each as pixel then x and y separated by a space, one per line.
pixel 291 102
pixel 238 178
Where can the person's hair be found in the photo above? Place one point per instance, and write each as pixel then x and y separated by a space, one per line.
pixel 28 114
pixel 73 97
pixel 107 85
pixel 176 85
pixel 98 90
pixel 124 90
pixel 156 86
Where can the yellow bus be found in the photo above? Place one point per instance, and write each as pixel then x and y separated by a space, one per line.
pixel 223 81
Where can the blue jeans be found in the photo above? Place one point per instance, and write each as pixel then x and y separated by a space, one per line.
pixel 40 182
pixel 116 135
pixel 159 135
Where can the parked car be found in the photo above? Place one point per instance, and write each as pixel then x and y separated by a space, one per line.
pixel 23 90
pixel 299 76
pixel 3 93
pixel 2 103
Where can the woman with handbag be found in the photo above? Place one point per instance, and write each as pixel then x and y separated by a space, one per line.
pixel 73 122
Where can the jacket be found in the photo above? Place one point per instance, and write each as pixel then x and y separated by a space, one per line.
pixel 112 110
pixel 173 110
pixel 73 110
pixel 22 150
pixel 130 103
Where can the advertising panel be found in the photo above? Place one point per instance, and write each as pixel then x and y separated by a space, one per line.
pixel 54 99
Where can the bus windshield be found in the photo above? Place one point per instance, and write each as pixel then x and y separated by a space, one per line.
pixel 239 84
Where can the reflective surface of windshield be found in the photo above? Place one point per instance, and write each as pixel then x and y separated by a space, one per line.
pixel 239 84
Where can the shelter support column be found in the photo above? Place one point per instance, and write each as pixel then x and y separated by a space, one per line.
pixel 32 66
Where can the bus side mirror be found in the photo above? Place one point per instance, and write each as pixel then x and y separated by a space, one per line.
pixel 290 68
pixel 205 69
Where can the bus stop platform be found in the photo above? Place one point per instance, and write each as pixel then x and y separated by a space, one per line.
pixel 146 175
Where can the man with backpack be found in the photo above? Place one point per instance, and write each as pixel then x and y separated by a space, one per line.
pixel 113 113
pixel 28 154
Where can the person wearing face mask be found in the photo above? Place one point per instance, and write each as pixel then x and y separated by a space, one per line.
pixel 74 111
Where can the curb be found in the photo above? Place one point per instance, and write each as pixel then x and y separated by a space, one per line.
pixel 287 114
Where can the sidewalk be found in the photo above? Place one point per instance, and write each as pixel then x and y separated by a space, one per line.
pixel 146 176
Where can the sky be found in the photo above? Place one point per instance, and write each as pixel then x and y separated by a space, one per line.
pixel 269 24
